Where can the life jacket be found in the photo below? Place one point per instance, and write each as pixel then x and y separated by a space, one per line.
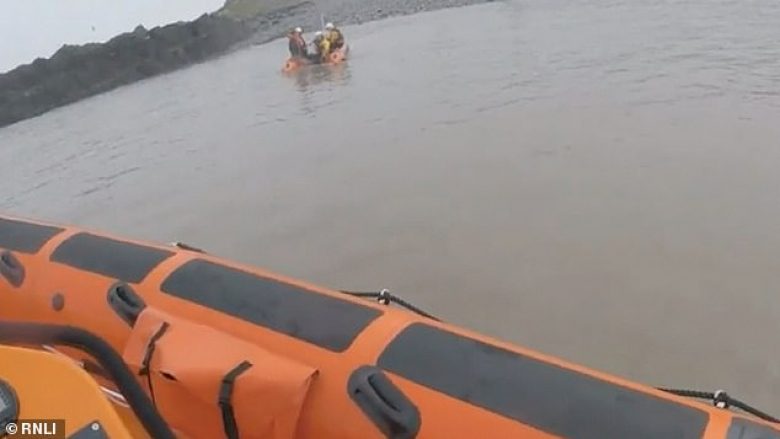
pixel 324 45
pixel 336 38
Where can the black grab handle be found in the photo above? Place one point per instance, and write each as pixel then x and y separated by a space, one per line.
pixel 125 302
pixel 11 268
pixel 384 403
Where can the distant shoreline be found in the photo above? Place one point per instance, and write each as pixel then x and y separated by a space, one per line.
pixel 76 72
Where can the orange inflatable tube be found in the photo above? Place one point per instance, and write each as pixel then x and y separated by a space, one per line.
pixel 294 63
pixel 336 57
pixel 339 55
pixel 228 350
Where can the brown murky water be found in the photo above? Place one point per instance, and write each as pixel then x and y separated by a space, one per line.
pixel 597 180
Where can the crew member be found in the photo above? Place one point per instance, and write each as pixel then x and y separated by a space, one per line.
pixel 297 43
pixel 322 44
pixel 335 37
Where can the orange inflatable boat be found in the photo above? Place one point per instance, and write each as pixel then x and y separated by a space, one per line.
pixel 336 57
pixel 225 350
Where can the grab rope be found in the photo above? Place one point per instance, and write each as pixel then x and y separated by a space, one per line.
pixel 719 398
pixel 385 297
pixel 722 400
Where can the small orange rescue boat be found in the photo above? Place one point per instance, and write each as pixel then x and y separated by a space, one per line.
pixel 338 56
pixel 226 350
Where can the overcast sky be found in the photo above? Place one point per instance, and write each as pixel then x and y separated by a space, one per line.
pixel 37 28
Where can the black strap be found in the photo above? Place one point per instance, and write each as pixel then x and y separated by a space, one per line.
pixel 150 347
pixel 225 394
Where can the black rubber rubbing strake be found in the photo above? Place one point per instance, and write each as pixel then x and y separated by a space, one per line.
pixel 551 398
pixel 24 237
pixel 109 359
pixel 108 257
pixel 11 269
pixel 325 321
pixel 387 407
pixel 125 302
pixel 225 396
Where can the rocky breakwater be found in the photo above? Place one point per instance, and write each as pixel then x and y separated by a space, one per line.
pixel 77 72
